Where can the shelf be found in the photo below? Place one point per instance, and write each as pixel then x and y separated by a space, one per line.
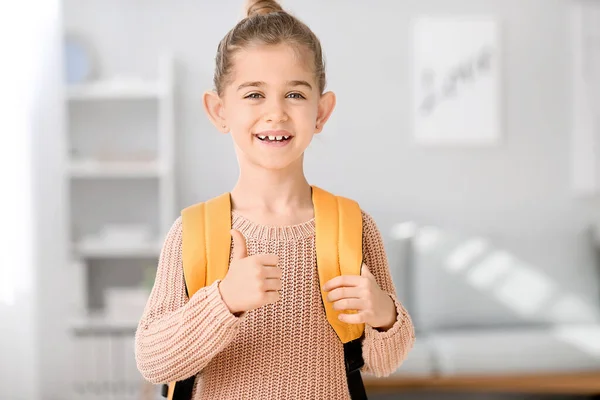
pixel 117 250
pixel 99 323
pixel 106 90
pixel 118 169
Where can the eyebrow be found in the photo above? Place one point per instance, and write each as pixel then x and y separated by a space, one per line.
pixel 259 84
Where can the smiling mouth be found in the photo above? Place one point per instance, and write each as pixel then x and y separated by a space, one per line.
pixel 266 138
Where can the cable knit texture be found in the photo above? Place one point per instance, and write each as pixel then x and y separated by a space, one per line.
pixel 285 350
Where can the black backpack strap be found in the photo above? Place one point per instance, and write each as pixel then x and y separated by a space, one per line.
pixel 183 389
pixel 354 362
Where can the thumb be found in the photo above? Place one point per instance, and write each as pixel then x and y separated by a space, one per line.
pixel 239 245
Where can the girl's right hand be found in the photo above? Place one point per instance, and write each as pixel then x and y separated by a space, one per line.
pixel 251 282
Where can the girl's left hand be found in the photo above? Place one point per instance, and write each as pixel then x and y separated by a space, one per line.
pixel 361 293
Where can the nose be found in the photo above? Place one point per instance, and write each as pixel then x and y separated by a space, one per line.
pixel 276 112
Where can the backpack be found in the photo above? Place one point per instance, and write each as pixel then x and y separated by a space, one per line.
pixel 338 239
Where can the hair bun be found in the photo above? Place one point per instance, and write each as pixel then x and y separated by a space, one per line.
pixel 262 7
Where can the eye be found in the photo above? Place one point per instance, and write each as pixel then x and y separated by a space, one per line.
pixel 296 96
pixel 253 96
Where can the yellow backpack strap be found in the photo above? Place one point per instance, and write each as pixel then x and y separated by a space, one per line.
pixel 205 241
pixel 338 239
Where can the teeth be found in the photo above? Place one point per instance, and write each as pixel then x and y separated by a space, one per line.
pixel 273 138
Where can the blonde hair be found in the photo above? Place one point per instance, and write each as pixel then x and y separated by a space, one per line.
pixel 267 23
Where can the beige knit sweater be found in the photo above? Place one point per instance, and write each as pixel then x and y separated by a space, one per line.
pixel 285 350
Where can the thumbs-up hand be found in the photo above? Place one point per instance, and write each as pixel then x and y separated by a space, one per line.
pixel 251 282
pixel 361 293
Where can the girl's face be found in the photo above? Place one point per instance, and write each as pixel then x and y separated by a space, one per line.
pixel 272 105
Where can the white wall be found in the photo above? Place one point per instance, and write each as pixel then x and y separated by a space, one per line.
pixel 30 100
pixel 51 201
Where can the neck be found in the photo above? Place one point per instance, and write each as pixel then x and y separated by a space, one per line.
pixel 272 191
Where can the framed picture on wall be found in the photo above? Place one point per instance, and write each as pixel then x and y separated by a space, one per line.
pixel 456 81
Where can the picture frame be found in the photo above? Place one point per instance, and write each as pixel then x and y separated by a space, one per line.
pixel 456 80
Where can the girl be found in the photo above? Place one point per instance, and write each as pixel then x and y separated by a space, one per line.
pixel 261 332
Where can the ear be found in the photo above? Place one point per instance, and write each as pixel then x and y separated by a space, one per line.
pixel 326 106
pixel 213 105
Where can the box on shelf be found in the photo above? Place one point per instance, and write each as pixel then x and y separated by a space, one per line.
pixel 137 233
pixel 119 235
pixel 125 303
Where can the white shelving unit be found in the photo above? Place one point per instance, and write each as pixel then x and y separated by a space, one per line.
pixel 91 250
pixel 120 169
pixel 102 189
pixel 115 90
pixel 99 324
pixel 160 169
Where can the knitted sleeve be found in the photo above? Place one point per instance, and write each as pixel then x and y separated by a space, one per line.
pixel 177 337
pixel 383 352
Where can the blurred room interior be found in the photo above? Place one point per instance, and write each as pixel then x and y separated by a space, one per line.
pixel 490 209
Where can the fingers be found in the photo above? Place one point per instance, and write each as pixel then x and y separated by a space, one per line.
pixel 344 293
pixel 272 297
pixel 272 272
pixel 239 245
pixel 341 281
pixel 267 259
pixel 348 304
pixel 357 318
pixel 272 285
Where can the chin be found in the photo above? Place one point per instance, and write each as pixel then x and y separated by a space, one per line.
pixel 272 162
pixel 275 166
pixel 278 163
